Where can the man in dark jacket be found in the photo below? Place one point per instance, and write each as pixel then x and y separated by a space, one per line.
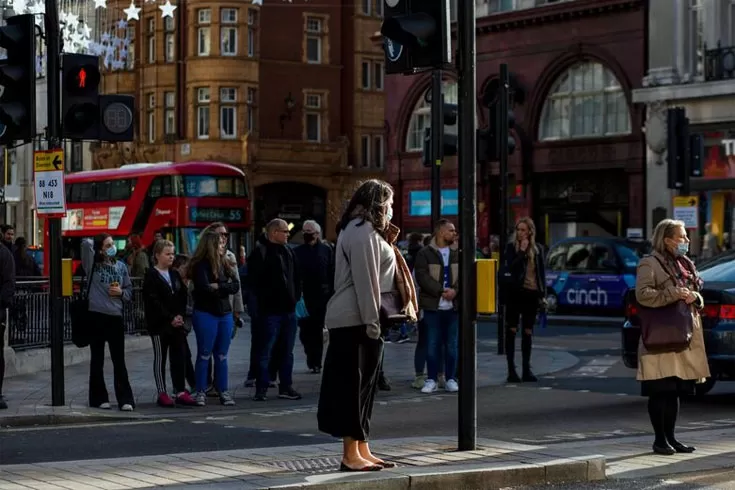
pixel 316 259
pixel 7 291
pixel 273 270
pixel 8 236
pixel 437 275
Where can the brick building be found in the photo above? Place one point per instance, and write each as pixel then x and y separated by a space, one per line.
pixel 579 160
pixel 292 92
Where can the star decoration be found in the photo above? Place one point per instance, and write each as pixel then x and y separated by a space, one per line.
pixel 121 24
pixel 132 11
pixel 167 10
pixel 100 4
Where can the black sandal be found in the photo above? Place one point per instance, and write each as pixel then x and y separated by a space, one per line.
pixel 386 464
pixel 344 467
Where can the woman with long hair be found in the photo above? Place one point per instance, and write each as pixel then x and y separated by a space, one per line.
pixel 25 266
pixel 665 277
pixel 367 264
pixel 109 288
pixel 525 283
pixel 214 282
pixel 165 296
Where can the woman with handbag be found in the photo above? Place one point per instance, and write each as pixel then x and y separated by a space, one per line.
pixel 671 355
pixel 373 286
pixel 165 297
pixel 524 281
pixel 109 287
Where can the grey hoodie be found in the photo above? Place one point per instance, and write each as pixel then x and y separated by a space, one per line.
pixel 104 275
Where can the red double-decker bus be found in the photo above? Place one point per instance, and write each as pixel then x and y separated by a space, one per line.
pixel 177 199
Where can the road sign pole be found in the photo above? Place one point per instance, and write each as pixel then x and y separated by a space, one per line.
pixel 53 240
pixel 467 409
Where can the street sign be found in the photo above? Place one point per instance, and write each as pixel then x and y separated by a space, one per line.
pixel 686 209
pixel 48 178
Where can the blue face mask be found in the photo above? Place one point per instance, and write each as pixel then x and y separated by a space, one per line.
pixel 112 251
pixel 389 214
pixel 682 248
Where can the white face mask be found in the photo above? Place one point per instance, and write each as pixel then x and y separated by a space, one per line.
pixel 389 214
pixel 682 248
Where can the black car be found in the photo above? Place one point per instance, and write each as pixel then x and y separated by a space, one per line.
pixel 718 322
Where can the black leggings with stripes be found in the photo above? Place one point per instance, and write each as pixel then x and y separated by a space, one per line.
pixel 173 346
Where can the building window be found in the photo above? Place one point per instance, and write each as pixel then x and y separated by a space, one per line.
pixel 366 4
pixel 130 49
pixel 228 32
pixel 203 99
pixel 313 109
pixel 366 75
pixel 204 40
pixel 170 114
pixel 151 40
pixel 378 151
pixel 586 101
pixel 170 40
pixel 151 118
pixel 252 109
pixel 379 8
pixel 228 113
pixel 696 36
pixel 252 31
pixel 365 151
pixel 314 39
pixel 421 118
pixel 378 75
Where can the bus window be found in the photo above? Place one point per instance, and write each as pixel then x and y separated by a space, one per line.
pixel 203 186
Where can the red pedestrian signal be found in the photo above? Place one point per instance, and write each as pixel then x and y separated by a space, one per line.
pixel 82 78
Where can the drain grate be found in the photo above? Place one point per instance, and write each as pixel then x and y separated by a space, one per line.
pixel 308 465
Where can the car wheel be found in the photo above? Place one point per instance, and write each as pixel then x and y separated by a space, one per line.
pixel 552 302
pixel 702 389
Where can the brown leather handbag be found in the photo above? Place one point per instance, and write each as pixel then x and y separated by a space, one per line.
pixel 668 328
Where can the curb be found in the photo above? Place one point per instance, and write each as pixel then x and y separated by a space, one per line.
pixel 569 321
pixel 480 476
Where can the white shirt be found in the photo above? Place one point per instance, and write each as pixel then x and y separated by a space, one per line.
pixel 166 275
pixel 443 303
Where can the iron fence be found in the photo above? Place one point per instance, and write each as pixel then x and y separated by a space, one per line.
pixel 28 317
pixel 719 63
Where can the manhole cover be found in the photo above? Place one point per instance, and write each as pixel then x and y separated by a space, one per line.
pixel 311 465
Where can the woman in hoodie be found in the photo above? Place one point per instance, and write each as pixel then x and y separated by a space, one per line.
pixel 214 282
pixel 165 296
pixel 109 287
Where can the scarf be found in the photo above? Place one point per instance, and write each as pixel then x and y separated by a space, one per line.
pixel 403 281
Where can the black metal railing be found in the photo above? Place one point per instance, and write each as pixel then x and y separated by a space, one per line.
pixel 719 63
pixel 28 317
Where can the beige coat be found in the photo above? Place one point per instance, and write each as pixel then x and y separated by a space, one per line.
pixel 655 288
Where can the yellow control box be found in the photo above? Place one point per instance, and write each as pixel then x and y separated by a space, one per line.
pixel 67 282
pixel 487 274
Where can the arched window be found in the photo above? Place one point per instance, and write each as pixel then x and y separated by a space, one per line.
pixel 421 118
pixel 586 101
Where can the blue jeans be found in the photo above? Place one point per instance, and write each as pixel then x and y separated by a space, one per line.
pixel 277 326
pixel 442 332
pixel 214 335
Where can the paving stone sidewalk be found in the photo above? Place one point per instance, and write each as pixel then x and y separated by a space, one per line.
pixel 420 461
pixel 31 394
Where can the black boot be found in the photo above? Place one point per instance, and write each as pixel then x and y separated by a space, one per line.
pixel 671 413
pixel 526 342
pixel 656 410
pixel 510 351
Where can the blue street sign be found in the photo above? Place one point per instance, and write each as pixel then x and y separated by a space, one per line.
pixel 419 203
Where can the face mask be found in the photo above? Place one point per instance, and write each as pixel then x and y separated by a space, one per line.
pixel 308 237
pixel 389 214
pixel 682 248
pixel 112 251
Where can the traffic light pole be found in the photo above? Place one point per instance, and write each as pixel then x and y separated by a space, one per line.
pixel 502 145
pixel 467 410
pixel 56 306
pixel 437 142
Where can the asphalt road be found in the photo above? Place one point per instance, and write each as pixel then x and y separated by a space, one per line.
pixel 596 399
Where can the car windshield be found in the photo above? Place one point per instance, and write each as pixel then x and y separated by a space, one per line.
pixel 722 272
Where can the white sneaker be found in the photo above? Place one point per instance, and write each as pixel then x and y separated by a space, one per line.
pixel 451 386
pixel 127 408
pixel 105 406
pixel 429 386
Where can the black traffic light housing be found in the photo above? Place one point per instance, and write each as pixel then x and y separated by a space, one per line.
pixel 678 150
pixel 449 141
pixel 696 152
pixel 18 77
pixel 416 35
pixel 80 110
pixel 116 118
pixel 489 139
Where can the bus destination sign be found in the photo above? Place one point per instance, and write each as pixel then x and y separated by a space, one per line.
pixel 209 215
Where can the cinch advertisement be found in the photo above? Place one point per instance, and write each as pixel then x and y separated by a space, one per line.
pixel 419 203
pixel 93 219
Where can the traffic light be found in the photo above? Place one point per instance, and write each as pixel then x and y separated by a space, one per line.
pixel 416 35
pixel 696 152
pixel 510 140
pixel 116 117
pixel 449 141
pixel 678 151
pixel 80 97
pixel 18 77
